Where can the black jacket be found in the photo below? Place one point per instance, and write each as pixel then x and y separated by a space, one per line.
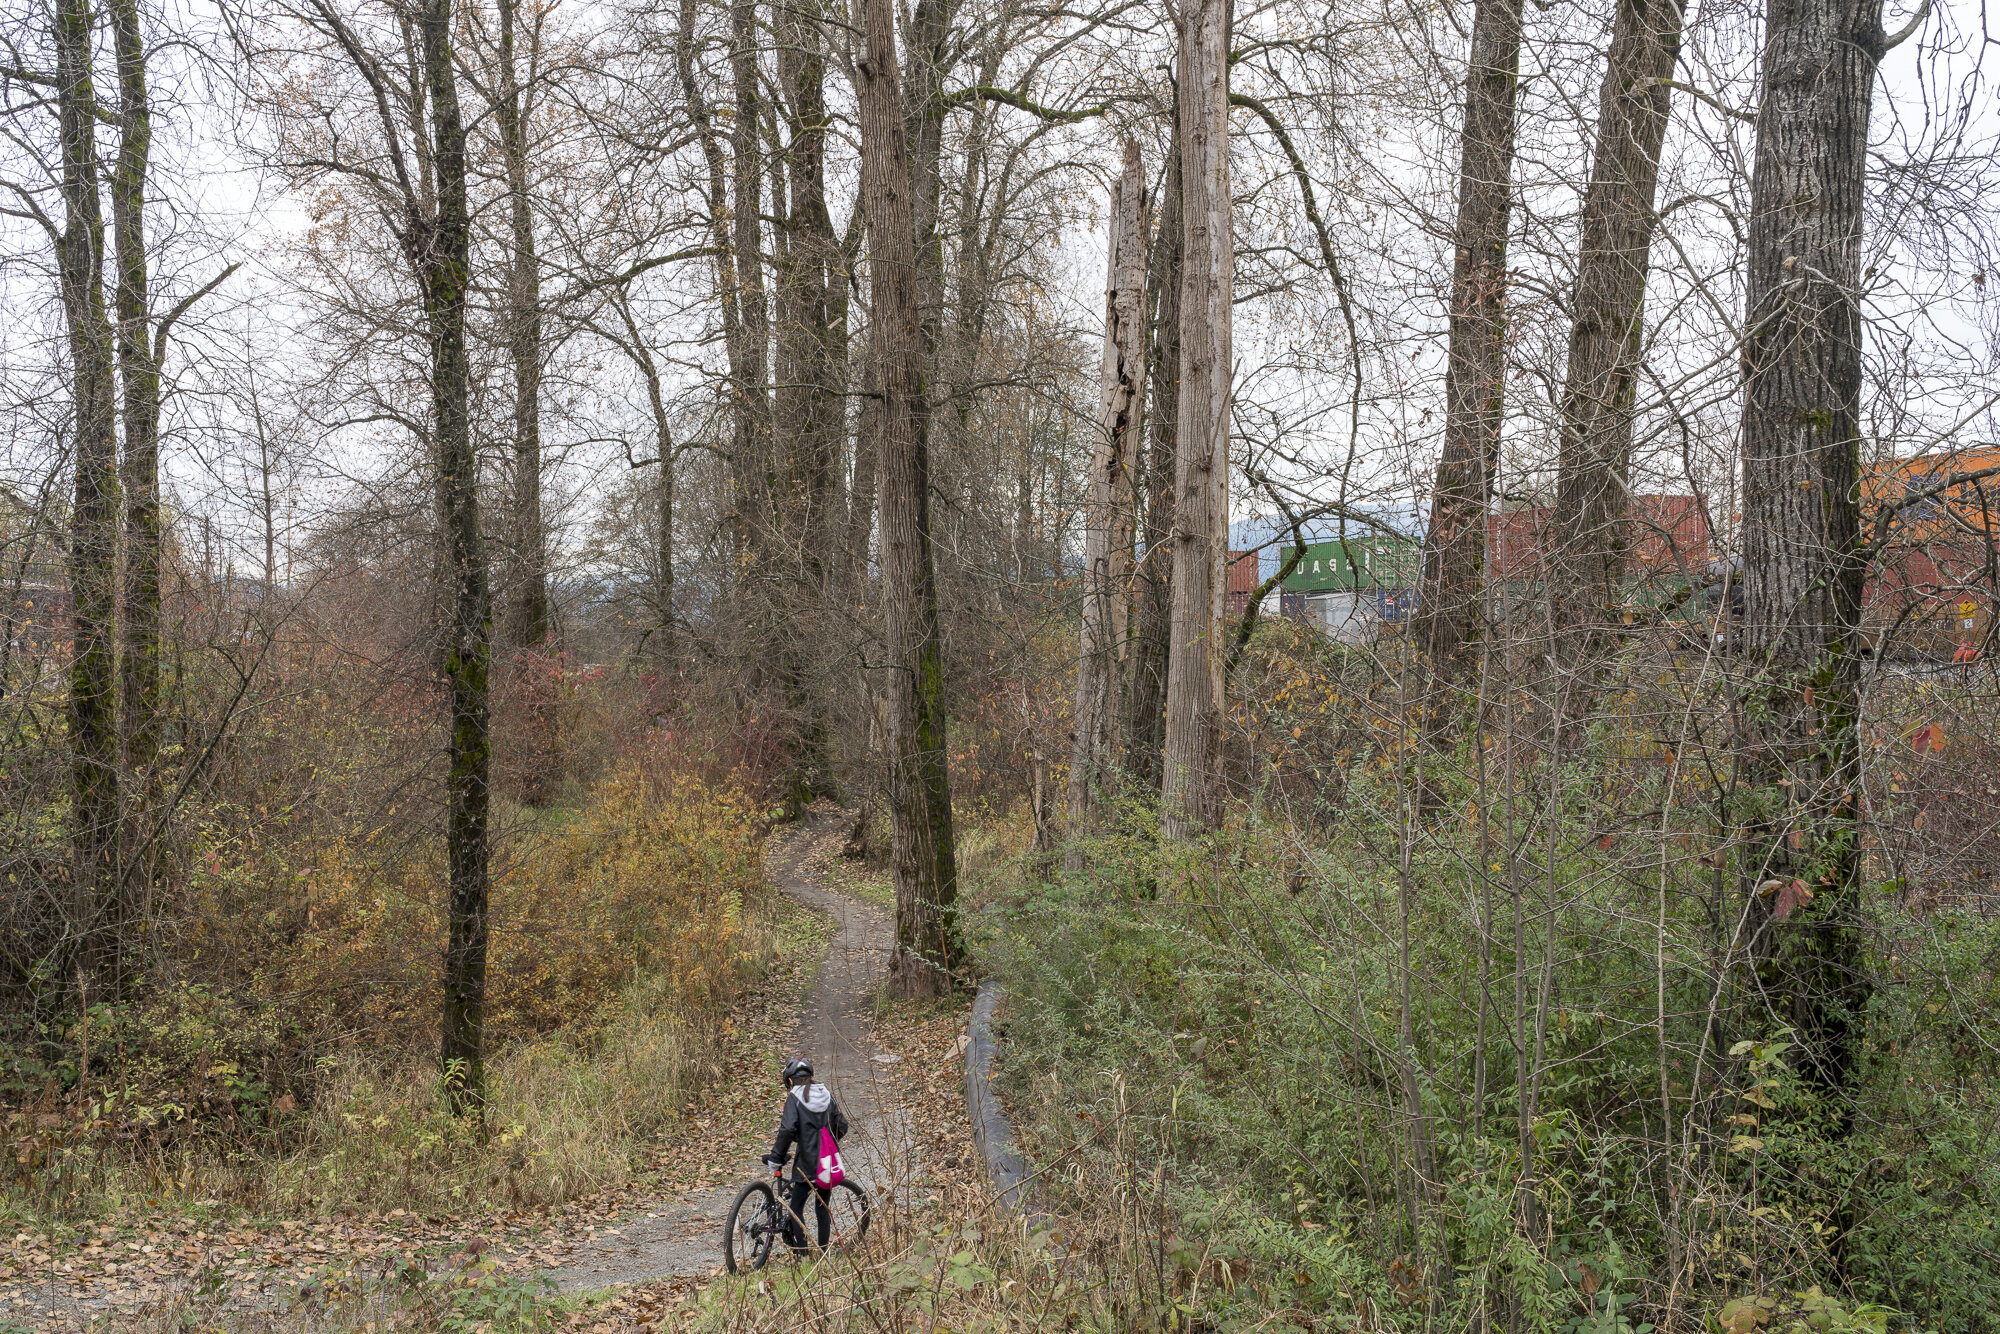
pixel 799 1127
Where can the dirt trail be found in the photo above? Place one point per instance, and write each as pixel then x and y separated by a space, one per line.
pixel 675 1235
pixel 833 1032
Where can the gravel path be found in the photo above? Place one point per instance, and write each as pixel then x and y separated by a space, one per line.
pixel 834 1032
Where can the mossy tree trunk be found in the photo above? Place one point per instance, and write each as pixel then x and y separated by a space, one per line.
pixel 440 250
pixel 140 373
pixel 98 911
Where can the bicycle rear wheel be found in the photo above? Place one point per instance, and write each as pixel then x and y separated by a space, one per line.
pixel 850 1216
pixel 752 1229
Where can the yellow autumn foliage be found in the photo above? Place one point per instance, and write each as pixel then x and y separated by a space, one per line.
pixel 652 876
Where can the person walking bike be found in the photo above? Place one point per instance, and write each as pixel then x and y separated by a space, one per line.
pixel 809 1132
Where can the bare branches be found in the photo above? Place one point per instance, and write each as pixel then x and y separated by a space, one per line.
pixel 1008 97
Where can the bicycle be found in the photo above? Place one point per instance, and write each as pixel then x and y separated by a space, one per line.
pixel 757 1220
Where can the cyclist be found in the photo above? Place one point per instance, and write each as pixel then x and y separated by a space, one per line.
pixel 809 1108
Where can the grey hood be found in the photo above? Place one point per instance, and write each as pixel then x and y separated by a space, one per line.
pixel 814 1098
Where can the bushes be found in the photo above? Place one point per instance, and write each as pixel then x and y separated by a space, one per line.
pixel 306 1075
pixel 1297 1043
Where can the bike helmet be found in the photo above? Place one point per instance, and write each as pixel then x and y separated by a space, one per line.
pixel 797 1066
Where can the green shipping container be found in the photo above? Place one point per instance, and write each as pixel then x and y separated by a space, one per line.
pixel 1392 563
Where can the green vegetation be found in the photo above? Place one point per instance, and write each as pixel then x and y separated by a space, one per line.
pixel 1282 1043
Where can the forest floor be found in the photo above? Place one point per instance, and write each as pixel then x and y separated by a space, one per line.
pixel 617 1260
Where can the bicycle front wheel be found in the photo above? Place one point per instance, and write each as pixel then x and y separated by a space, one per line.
pixel 752 1229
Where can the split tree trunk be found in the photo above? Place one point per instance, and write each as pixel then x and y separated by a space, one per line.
pixel 1802 567
pixel 1448 608
pixel 927 945
pixel 441 253
pixel 1599 388
pixel 1145 728
pixel 1191 790
pixel 98 910
pixel 1108 525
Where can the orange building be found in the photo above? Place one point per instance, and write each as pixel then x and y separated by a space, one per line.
pixel 1936 550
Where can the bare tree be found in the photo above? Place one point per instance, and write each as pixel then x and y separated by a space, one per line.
pixel 1803 560
pixel 1594 464
pixel 528 596
pixel 1475 383
pixel 1191 784
pixel 140 371
pixel 424 196
pixel 927 945
pixel 93 552
pixel 810 403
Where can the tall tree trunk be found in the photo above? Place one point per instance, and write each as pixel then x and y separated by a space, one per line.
pixel 1448 608
pixel 528 604
pixel 1191 789
pixel 140 476
pixel 441 253
pixel 751 455
pixel 1108 525
pixel 1606 323
pixel 1145 728
pixel 99 910
pixel 1802 564
pixel 717 199
pixel 924 62
pixel 927 944
pixel 811 403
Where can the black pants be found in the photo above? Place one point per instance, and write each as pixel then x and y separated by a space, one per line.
pixel 796 1214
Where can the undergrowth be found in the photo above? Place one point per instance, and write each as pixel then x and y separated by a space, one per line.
pixel 621 935
pixel 1279 1045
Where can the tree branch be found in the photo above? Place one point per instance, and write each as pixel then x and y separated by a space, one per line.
pixel 1333 268
pixel 1903 34
pixel 1248 624
pixel 182 307
pixel 1709 98
pixel 1007 97
pixel 644 265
